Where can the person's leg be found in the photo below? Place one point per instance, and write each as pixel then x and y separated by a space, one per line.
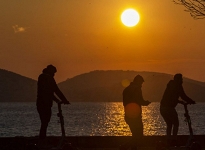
pixel 167 116
pixel 136 127
pixel 132 127
pixel 137 133
pixel 172 126
pixel 175 123
pixel 43 129
pixel 45 115
pixel 169 128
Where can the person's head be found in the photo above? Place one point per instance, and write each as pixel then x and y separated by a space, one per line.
pixel 138 79
pixel 178 78
pixel 50 69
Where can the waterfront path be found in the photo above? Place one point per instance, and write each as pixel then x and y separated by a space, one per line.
pixel 95 142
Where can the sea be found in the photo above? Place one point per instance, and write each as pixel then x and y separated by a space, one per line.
pixel 92 119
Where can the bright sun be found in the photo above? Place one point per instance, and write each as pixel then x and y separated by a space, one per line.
pixel 130 17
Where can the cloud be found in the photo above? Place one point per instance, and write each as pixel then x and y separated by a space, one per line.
pixel 18 29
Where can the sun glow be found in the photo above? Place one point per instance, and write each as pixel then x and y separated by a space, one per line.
pixel 132 110
pixel 125 82
pixel 130 17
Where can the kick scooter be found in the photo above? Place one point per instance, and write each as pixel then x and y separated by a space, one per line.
pixel 63 143
pixel 191 144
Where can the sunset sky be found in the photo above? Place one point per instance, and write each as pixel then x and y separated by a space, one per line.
pixel 79 36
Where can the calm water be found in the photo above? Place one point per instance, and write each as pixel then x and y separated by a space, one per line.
pixel 92 119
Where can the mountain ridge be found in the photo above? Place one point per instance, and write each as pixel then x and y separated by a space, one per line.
pixel 96 86
pixel 107 85
pixel 15 87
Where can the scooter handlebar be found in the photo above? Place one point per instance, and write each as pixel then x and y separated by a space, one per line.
pixel 61 102
pixel 186 103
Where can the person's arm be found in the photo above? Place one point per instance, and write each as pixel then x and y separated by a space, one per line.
pixel 56 99
pixel 60 94
pixel 145 103
pixel 181 102
pixel 185 97
pixel 141 99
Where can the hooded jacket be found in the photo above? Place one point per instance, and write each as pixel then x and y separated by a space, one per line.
pixel 46 88
pixel 172 93
pixel 133 94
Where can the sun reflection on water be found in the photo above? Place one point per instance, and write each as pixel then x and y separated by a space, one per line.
pixel 152 120
pixel 93 119
pixel 107 119
pixel 112 121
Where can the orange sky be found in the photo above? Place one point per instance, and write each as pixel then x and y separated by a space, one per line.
pixel 79 36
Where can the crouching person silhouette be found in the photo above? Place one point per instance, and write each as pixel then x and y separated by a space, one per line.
pixel 132 102
pixel 169 101
pixel 46 88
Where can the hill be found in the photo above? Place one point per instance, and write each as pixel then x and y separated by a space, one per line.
pixel 95 86
pixel 107 86
pixel 15 88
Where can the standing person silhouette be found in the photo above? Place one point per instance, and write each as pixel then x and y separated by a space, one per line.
pixel 46 88
pixel 132 102
pixel 169 101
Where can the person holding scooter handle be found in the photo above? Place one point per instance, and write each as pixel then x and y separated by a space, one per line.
pixel 46 88
pixel 170 99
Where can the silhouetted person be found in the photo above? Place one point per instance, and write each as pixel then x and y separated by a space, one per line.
pixel 169 101
pixel 46 89
pixel 132 102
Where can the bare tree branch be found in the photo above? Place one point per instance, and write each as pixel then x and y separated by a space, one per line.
pixel 196 8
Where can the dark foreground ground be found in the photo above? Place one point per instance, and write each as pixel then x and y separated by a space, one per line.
pixel 95 142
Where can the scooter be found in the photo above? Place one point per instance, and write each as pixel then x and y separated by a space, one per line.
pixel 191 144
pixel 63 143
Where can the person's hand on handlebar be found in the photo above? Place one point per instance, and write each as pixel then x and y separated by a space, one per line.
pixel 182 102
pixel 191 102
pixel 66 102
